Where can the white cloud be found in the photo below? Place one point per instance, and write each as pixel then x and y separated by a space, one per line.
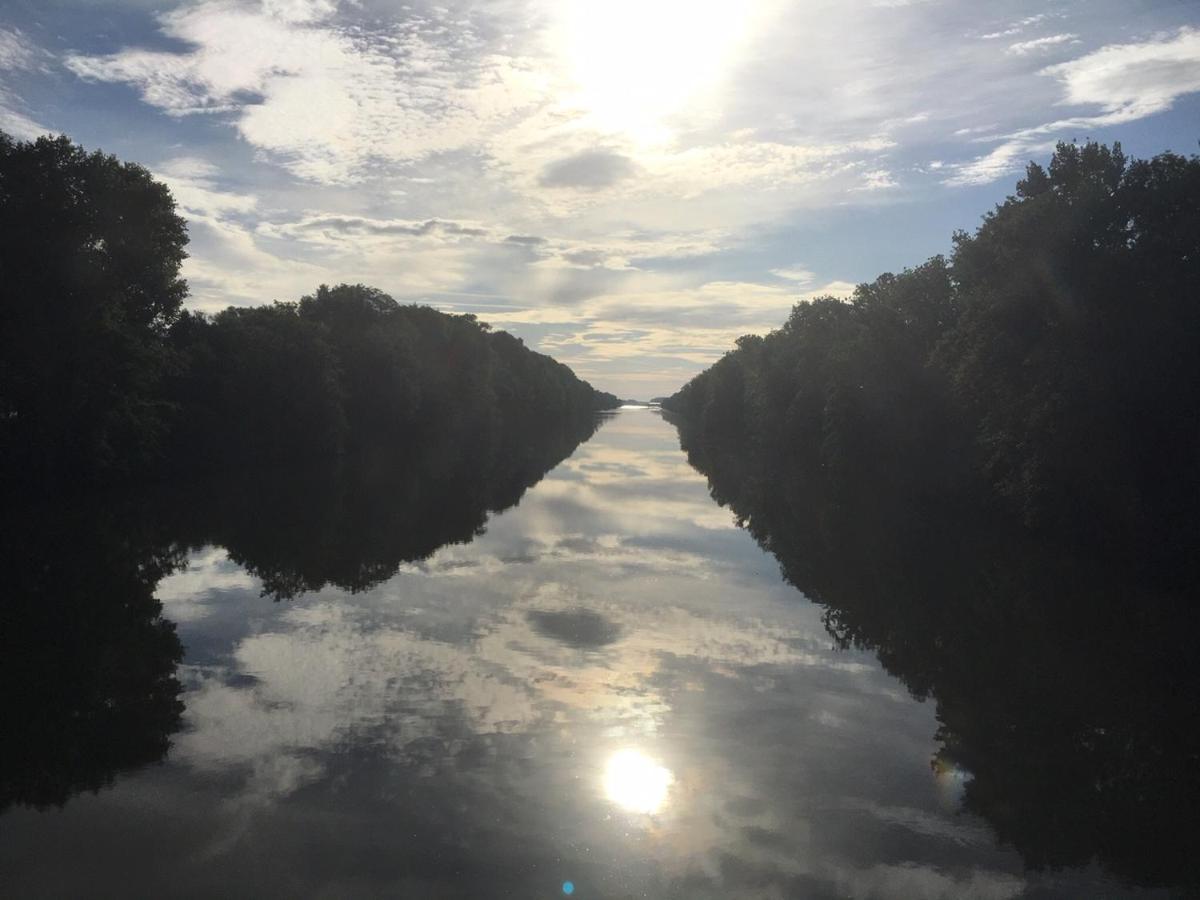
pixel 192 184
pixel 187 595
pixel 661 325
pixel 1127 81
pixel 1023 48
pixel 16 123
pixel 299 10
pixel 325 100
pixel 18 54
pixel 16 51
pixel 797 273
pixel 1015 28
pixel 1134 80
pixel 876 180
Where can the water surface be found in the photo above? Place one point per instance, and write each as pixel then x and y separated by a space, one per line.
pixel 609 692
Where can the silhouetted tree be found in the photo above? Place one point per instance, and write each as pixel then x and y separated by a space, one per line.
pixel 1050 365
pixel 349 369
pixel 90 250
pixel 259 385
pixel 1075 354
pixel 103 376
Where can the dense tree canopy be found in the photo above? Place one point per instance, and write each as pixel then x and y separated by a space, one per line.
pixel 103 375
pixel 1050 363
pixel 987 470
pixel 348 369
pixel 90 250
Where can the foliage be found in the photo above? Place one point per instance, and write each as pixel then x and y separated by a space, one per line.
pixel 348 369
pixel 1049 365
pixel 103 375
pixel 90 251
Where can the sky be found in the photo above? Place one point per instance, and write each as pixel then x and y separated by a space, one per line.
pixel 627 185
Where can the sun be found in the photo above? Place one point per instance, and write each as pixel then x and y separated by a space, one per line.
pixel 636 783
pixel 636 63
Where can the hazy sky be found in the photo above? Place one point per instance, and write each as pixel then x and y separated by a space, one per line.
pixel 627 184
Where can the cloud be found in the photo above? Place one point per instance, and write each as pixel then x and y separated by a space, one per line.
pixel 1015 28
pixel 1134 80
pixel 193 185
pixel 299 10
pixel 653 324
pixel 1126 81
pixel 16 123
pixel 797 274
pixel 17 52
pixel 876 180
pixel 528 240
pixel 325 100
pixel 590 170
pixel 332 226
pixel 1023 48
pixel 910 880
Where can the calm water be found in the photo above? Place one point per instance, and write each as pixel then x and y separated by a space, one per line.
pixel 610 692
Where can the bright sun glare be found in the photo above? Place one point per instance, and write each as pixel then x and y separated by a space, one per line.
pixel 636 62
pixel 635 782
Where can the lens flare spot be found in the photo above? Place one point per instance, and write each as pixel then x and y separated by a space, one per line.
pixel 568 888
pixel 635 782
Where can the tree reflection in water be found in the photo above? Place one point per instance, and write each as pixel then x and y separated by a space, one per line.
pixel 88 665
pixel 1065 690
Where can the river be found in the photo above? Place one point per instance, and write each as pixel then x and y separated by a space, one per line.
pixel 610 692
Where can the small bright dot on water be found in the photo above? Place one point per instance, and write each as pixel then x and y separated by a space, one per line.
pixel 568 887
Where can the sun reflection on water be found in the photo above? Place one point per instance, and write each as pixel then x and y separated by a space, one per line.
pixel 636 783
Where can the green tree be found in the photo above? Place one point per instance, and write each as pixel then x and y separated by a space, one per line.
pixel 1075 353
pixel 1050 365
pixel 90 252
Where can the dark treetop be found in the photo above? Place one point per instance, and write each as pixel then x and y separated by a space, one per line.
pixel 987 470
pixel 103 375
pixel 1048 368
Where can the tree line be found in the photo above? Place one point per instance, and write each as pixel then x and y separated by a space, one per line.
pixel 1046 369
pixel 105 376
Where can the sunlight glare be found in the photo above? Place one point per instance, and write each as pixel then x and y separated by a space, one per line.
pixel 635 782
pixel 636 62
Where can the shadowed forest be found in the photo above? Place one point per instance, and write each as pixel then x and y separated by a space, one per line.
pixel 1047 369
pixel 985 469
pixel 104 376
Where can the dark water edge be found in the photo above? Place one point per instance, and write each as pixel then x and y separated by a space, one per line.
pixel 1065 684
pixel 87 660
pixel 489 671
